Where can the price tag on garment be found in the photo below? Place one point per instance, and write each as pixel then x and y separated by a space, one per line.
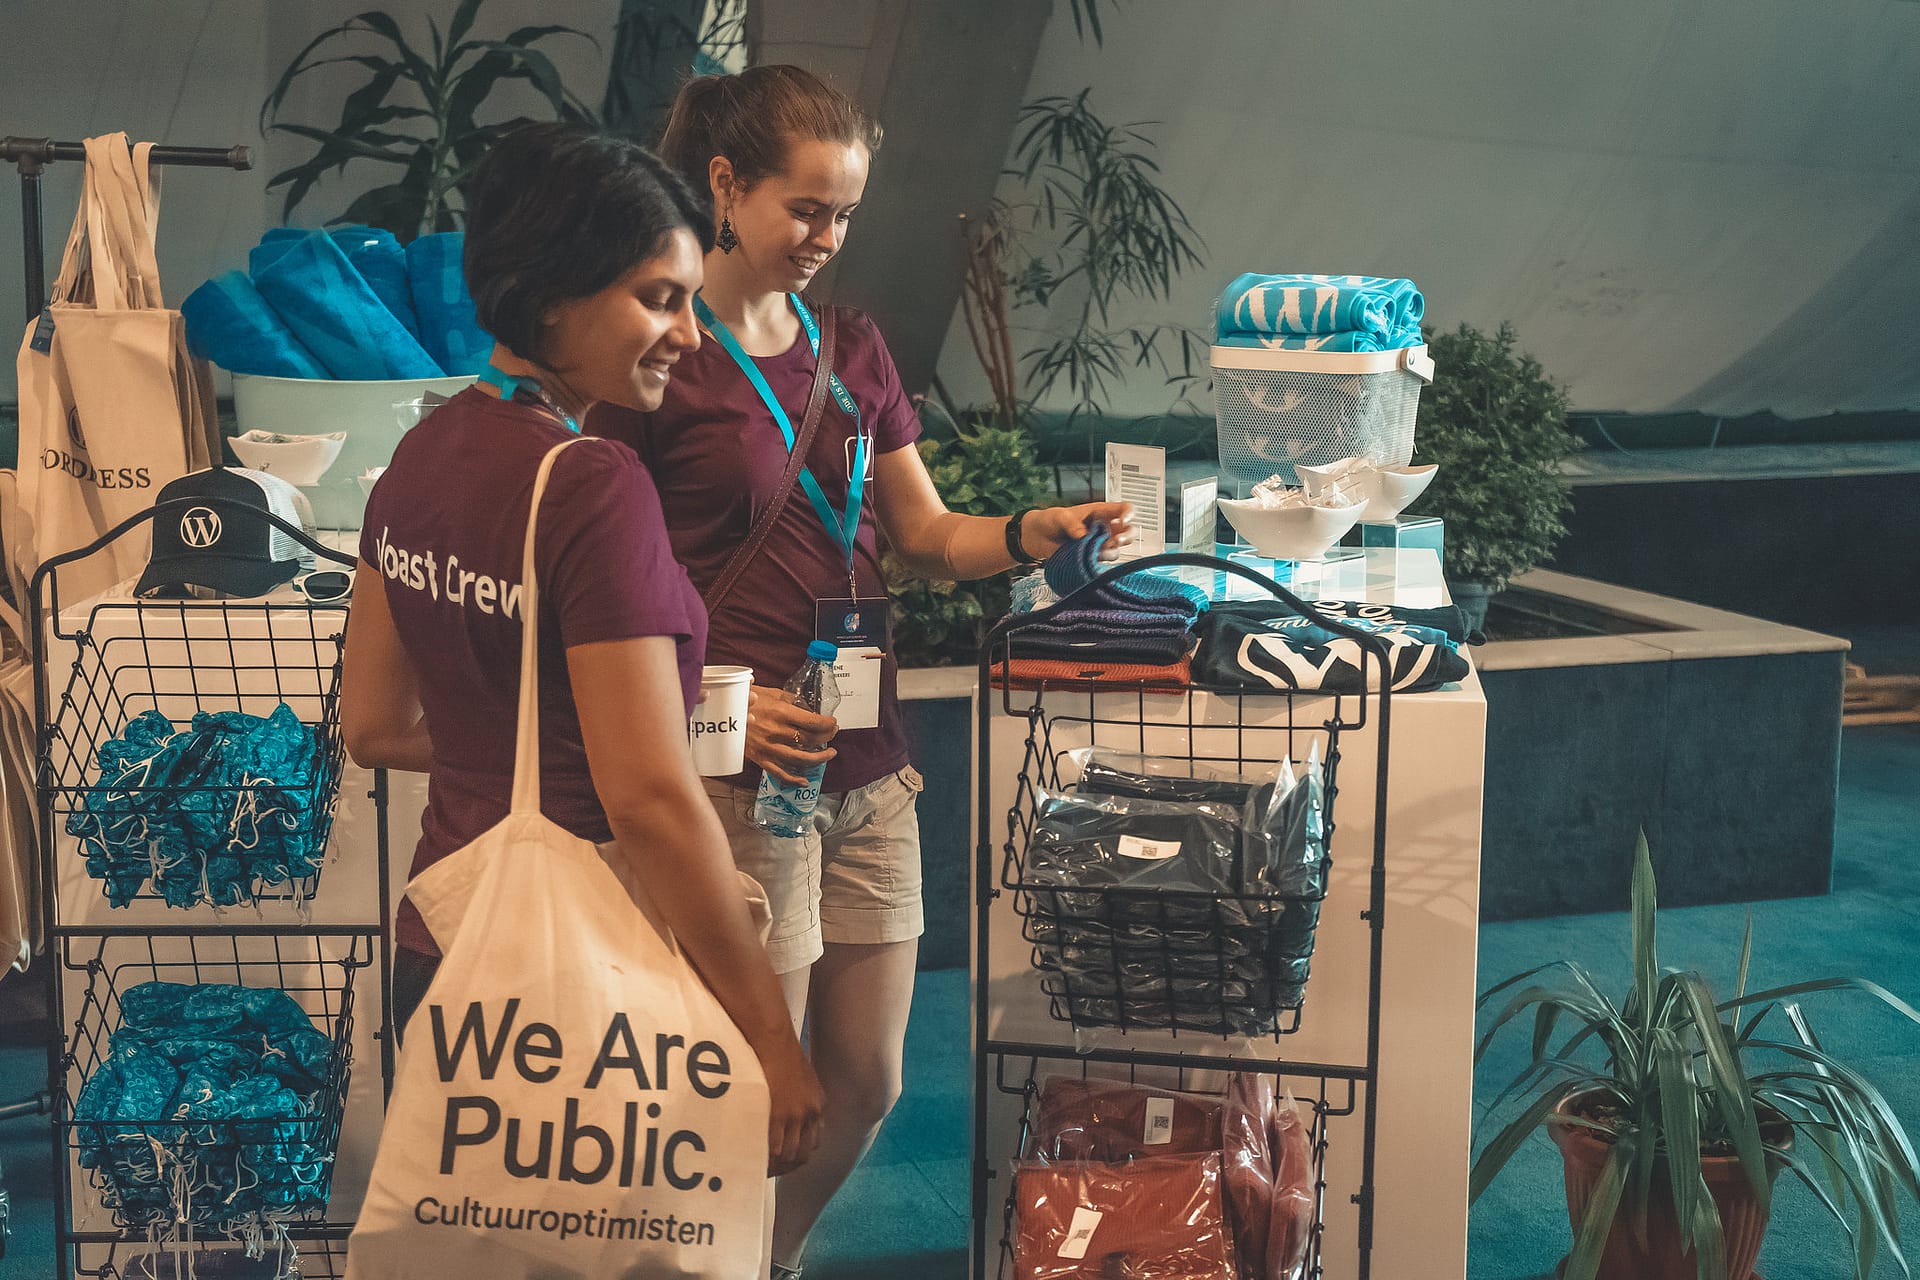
pixel 1080 1233
pixel 861 629
pixel 1159 1123
pixel 43 332
pixel 1150 850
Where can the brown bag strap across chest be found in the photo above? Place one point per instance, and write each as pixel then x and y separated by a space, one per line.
pixel 722 586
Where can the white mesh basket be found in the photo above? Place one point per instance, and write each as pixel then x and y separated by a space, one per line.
pixel 1278 410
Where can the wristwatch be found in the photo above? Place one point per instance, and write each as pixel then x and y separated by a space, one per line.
pixel 1016 548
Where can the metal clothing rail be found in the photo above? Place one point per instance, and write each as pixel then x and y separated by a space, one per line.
pixel 31 156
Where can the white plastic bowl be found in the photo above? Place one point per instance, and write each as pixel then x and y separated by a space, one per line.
pixel 1348 477
pixel 1392 490
pixel 374 415
pixel 300 460
pixel 1291 533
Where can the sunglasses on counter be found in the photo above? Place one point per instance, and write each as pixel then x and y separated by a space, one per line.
pixel 324 586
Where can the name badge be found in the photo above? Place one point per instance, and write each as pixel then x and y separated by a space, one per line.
pixel 862 630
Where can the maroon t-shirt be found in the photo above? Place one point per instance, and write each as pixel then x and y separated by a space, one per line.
pixel 445 526
pixel 717 457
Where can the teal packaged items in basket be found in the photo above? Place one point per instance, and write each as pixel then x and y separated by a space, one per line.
pixel 202 1111
pixel 334 311
pixel 214 813
pixel 1293 312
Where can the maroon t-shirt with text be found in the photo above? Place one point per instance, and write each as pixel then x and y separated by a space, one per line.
pixel 445 527
pixel 717 457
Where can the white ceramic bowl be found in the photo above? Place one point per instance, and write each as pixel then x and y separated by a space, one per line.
pixel 1348 476
pixel 1391 490
pixel 1291 533
pixel 300 460
pixel 368 479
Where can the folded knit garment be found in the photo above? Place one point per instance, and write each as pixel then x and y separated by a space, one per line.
pixel 1292 305
pixel 1092 673
pixel 1159 1218
pixel 1155 638
pixel 1078 563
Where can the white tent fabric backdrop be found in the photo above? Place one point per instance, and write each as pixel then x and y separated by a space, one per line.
pixel 1706 205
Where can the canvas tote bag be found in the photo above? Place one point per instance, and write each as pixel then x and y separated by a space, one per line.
pixel 571 1101
pixel 111 405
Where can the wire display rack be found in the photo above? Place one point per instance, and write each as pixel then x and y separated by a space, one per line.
pixel 173 669
pixel 1177 980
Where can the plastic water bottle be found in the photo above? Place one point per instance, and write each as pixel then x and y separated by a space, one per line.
pixel 781 807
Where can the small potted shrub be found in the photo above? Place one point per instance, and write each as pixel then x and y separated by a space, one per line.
pixel 1674 1113
pixel 1497 428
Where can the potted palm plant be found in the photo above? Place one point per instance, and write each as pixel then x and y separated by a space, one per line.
pixel 1675 1111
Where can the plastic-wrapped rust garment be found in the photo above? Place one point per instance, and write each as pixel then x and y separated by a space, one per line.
pixel 1156 1218
pixel 1290 1230
pixel 1248 1167
pixel 1116 1120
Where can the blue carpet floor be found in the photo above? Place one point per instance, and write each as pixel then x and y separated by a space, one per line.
pixel 904 1213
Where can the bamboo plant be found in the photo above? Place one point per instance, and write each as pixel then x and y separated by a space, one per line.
pixel 1672 1072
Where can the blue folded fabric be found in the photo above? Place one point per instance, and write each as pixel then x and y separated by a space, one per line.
pixel 1111 635
pixel 449 328
pixel 229 323
pixel 274 241
pixel 1295 305
pixel 1078 563
pixel 1348 340
pixel 378 256
pixel 331 308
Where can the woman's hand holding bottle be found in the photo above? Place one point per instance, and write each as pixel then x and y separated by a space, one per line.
pixel 786 740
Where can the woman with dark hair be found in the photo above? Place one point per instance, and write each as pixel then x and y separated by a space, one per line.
pixel 583 254
pixel 785 157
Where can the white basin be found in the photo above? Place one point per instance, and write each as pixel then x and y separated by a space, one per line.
pixel 1291 533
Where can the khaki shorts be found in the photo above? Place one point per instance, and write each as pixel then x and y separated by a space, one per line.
pixel 854 878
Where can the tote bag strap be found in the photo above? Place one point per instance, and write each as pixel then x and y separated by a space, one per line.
pixel 526 751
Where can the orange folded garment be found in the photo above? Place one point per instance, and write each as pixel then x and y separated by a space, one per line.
pixel 1055 673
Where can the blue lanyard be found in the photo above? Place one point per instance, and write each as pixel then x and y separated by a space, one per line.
pixel 510 386
pixel 844 528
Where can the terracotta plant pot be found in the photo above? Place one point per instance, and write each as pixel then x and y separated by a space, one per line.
pixel 1743 1218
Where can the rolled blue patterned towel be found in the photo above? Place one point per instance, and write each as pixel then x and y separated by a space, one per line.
pixel 330 306
pixel 229 323
pixel 1347 340
pixel 1293 305
pixel 449 328
pixel 378 256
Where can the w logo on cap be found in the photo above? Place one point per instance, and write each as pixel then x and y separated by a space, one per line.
pixel 200 527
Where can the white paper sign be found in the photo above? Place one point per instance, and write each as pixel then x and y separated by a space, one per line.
pixel 858 673
pixel 1199 506
pixel 1080 1233
pixel 1137 473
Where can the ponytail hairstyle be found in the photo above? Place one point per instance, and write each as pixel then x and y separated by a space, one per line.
pixel 750 119
pixel 557 212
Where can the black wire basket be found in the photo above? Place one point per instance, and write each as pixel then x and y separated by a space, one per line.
pixel 175 1166
pixel 1226 963
pixel 297 1257
pixel 1326 1100
pixel 146 771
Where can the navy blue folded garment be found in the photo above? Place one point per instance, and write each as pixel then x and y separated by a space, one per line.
pixel 229 323
pixel 1112 635
pixel 378 256
pixel 1078 563
pixel 449 326
pixel 332 309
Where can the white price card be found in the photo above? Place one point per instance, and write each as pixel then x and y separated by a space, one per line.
pixel 1150 850
pixel 1137 473
pixel 1080 1233
pixel 1199 505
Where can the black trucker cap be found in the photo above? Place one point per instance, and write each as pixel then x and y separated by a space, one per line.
pixel 222 545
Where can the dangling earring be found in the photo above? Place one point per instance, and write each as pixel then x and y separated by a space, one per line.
pixel 726 240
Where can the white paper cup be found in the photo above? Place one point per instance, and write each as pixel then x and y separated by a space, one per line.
pixel 718 727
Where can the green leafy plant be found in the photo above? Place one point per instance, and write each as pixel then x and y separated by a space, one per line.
pixel 1497 427
pixel 656 45
pixel 417 112
pixel 981 468
pixel 1671 1073
pixel 1090 229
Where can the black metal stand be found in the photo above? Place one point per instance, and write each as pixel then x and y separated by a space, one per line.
pixel 177 658
pixel 1118 716
pixel 31 156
